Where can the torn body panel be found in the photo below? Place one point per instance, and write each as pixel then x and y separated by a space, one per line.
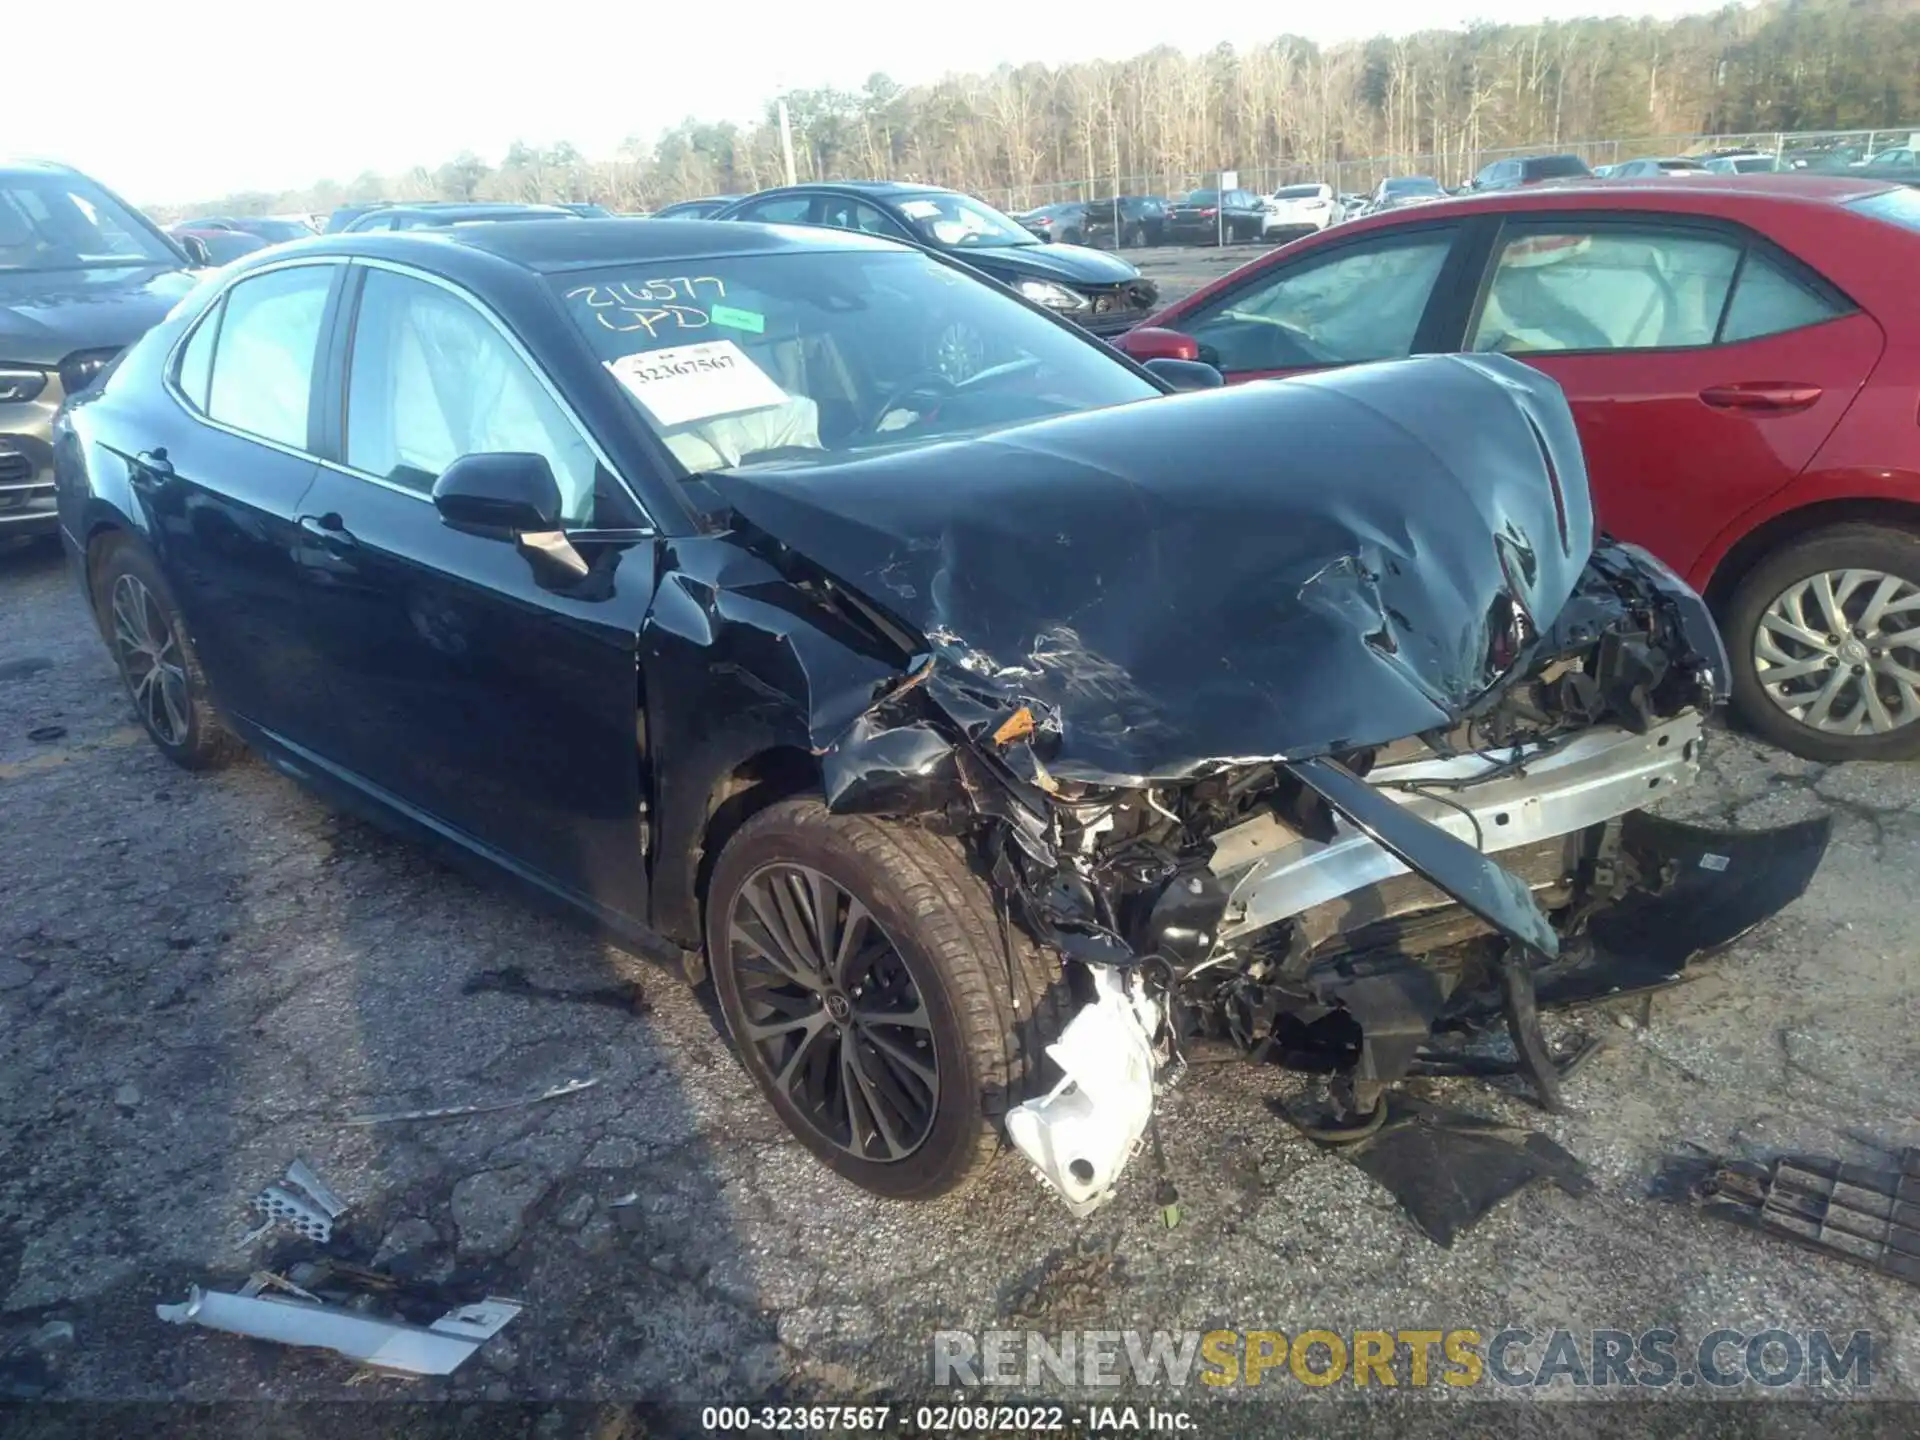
pixel 1322 766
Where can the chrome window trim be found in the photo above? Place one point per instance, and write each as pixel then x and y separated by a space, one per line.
pixel 170 371
pixel 538 371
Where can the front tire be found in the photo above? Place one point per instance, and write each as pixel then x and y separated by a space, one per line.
pixel 861 970
pixel 1824 639
pixel 154 653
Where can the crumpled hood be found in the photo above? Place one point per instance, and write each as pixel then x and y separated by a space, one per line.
pixel 47 315
pixel 1268 571
pixel 1075 264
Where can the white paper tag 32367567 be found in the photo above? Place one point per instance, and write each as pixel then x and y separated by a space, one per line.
pixel 696 382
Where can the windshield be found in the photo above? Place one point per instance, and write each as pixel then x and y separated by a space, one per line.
pixel 1896 207
pixel 1411 185
pixel 1201 197
pixel 814 356
pixel 61 222
pixel 1301 192
pixel 962 223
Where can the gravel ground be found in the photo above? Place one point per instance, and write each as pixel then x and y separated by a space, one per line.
pixel 204 977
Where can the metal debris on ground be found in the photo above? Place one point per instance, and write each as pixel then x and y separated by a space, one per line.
pixel 302 1201
pixel 1447 1168
pixel 447 1112
pixel 1867 1214
pixel 299 1318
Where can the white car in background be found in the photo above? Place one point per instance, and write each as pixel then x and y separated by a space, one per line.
pixel 1301 210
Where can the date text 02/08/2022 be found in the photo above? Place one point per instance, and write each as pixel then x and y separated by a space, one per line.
pixel 943 1419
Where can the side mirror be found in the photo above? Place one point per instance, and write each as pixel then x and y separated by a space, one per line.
pixel 1185 374
pixel 197 251
pixel 1150 342
pixel 499 495
pixel 511 496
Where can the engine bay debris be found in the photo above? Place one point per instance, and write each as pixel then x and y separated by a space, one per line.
pixel 1866 1214
pixel 1325 769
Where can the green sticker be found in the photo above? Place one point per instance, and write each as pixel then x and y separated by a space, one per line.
pixel 738 319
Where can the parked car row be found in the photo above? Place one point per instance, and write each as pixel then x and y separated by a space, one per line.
pixel 1099 292
pixel 1119 222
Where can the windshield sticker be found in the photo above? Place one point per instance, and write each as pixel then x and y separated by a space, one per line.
pixel 919 209
pixel 950 232
pixel 650 305
pixel 738 319
pixel 696 382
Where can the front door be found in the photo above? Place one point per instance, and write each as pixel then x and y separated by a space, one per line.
pixel 474 690
pixel 1704 368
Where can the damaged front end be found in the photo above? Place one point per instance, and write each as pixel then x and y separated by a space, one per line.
pixel 1312 755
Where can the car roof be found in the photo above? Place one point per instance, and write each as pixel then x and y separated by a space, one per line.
pixel 879 189
pixel 1651 193
pixel 571 242
pixel 35 167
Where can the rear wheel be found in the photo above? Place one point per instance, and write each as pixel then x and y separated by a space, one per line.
pixel 1824 638
pixel 158 665
pixel 862 973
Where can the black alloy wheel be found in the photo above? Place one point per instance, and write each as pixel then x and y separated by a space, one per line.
pixel 155 656
pixel 865 979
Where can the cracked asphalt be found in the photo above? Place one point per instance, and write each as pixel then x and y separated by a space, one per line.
pixel 203 977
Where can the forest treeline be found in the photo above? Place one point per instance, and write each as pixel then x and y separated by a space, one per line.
pixel 1447 97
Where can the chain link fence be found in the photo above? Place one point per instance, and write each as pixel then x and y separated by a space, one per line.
pixel 1360 177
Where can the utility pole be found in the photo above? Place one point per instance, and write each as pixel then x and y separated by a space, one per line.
pixel 786 142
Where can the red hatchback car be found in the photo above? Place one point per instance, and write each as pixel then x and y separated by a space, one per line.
pixel 1742 356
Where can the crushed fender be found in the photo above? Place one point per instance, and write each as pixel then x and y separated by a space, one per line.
pixel 1866 1214
pixel 1447 1168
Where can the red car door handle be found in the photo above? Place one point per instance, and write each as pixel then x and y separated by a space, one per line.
pixel 1771 396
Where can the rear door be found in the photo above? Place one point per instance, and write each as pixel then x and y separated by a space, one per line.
pixel 223 483
pixel 482 694
pixel 1379 296
pixel 1704 366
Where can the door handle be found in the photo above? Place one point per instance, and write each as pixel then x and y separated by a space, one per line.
pixel 1774 397
pixel 150 468
pixel 330 530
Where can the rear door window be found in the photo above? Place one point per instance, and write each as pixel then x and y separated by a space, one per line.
pixel 1605 289
pixel 1634 287
pixel 1770 300
pixel 262 367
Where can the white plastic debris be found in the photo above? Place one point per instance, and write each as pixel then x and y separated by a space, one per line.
pixel 1081 1135
pixel 436 1349
pixel 302 1201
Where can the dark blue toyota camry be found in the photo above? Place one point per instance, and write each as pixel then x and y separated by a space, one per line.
pixel 987 719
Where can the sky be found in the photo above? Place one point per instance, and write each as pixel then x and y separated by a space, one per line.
pixel 182 102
